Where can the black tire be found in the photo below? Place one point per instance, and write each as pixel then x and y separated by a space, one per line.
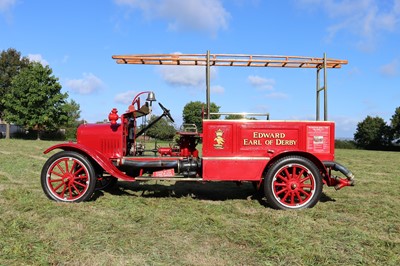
pixel 68 176
pixel 293 182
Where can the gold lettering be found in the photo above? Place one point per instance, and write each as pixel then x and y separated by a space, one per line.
pixel 255 142
pixel 268 142
pixel 252 142
pixel 285 142
pixel 260 135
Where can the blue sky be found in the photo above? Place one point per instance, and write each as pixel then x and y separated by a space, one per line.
pixel 77 39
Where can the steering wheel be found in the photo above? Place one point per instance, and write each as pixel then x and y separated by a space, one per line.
pixel 166 112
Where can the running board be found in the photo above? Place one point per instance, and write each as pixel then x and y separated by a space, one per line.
pixel 149 178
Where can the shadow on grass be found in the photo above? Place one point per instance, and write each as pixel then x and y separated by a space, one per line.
pixel 325 198
pixel 218 191
pixel 214 191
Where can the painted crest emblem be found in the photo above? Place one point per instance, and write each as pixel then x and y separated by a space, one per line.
pixel 219 140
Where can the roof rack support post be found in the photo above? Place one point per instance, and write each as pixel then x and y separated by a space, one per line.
pixel 208 103
pixel 318 100
pixel 319 89
pixel 325 91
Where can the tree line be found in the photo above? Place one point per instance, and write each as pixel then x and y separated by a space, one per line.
pixel 31 97
pixel 375 134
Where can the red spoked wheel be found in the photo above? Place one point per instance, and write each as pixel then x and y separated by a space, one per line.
pixel 293 182
pixel 68 176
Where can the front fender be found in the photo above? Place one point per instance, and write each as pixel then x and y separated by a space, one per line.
pixel 99 158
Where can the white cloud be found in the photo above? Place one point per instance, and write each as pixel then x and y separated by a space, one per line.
pixel 125 97
pixel 183 76
pixel 390 69
pixel 277 95
pixel 345 126
pixel 65 59
pixel 217 89
pixel 261 83
pixel 354 71
pixel 188 76
pixel 366 19
pixel 86 85
pixel 38 58
pixel 200 15
pixel 5 5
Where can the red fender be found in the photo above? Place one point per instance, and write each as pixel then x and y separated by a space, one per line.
pixel 103 161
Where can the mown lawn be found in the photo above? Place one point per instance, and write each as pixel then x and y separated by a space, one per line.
pixel 197 224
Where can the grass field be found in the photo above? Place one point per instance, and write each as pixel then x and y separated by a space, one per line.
pixel 198 224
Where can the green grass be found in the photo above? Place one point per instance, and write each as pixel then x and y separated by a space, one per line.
pixel 197 224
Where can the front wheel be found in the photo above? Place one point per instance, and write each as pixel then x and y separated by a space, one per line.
pixel 293 182
pixel 69 177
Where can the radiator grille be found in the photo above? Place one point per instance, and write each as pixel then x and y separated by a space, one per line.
pixel 110 146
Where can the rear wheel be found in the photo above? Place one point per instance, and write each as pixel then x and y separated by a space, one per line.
pixel 68 176
pixel 293 182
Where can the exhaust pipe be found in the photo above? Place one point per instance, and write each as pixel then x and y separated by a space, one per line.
pixel 188 167
pixel 340 182
pixel 156 164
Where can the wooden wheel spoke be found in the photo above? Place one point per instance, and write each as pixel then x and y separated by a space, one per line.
pixel 70 191
pixel 300 199
pixel 300 174
pixel 292 194
pixel 283 178
pixel 56 188
pixel 285 190
pixel 56 173
pixel 288 175
pixel 61 169
pixel 78 191
pixel 73 167
pixel 76 173
pixel 79 184
pixel 66 165
pixel 293 174
pixel 302 180
pixel 63 191
pixel 56 180
pixel 305 193
pixel 287 194
pixel 310 186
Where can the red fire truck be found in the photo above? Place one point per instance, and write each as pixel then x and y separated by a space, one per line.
pixel 289 161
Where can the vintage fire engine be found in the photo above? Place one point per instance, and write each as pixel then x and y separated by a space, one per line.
pixel 289 161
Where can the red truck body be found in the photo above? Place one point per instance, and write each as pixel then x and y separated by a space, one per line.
pixel 289 160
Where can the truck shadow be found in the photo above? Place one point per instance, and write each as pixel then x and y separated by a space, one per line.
pixel 213 191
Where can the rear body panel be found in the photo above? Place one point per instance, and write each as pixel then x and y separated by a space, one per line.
pixel 241 149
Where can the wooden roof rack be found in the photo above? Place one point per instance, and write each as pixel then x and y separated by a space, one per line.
pixel 240 60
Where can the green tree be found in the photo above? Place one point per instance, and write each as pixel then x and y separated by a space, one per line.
pixel 35 100
pixel 395 124
pixel 72 108
pixel 11 64
pixel 192 113
pixel 234 117
pixel 162 130
pixel 372 133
